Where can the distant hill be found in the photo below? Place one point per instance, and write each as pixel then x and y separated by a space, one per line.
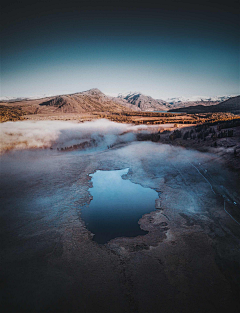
pixel 231 105
pixel 184 103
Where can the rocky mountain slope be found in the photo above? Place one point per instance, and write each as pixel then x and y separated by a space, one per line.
pixel 89 101
pixel 231 105
pixel 144 103
pixel 92 100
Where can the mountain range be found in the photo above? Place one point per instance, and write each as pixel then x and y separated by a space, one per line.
pixel 94 100
pixel 147 103
pixel 198 99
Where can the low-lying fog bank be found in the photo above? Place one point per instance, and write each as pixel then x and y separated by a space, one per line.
pixel 46 134
pixel 63 134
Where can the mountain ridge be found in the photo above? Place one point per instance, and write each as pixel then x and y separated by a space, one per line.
pixel 93 100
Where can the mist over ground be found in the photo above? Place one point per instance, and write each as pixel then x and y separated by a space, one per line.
pixel 59 134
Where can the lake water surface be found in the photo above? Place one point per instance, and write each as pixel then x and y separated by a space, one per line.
pixel 117 206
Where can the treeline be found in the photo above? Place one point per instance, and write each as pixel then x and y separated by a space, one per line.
pixel 155 137
pixel 221 124
pixel 150 114
pixel 229 124
pixel 176 134
pixel 202 131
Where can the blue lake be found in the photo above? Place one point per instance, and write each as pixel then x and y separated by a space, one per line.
pixel 117 206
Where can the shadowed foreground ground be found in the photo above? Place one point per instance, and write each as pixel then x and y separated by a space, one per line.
pixel 188 262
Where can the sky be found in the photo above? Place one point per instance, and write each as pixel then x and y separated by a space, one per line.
pixel 163 48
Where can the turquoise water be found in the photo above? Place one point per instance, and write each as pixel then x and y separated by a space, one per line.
pixel 117 206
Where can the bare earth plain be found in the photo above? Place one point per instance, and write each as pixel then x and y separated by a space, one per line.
pixel 188 262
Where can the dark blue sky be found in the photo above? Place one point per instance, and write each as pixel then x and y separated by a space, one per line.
pixel 162 49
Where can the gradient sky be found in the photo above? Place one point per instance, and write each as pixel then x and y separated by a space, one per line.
pixel 168 49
